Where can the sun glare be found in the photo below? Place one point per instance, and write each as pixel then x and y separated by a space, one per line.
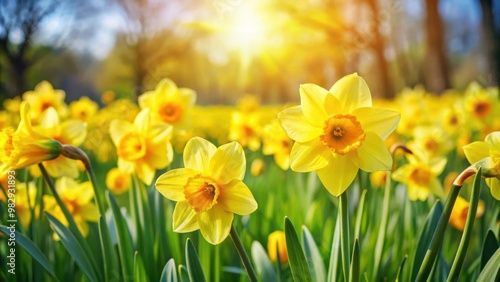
pixel 246 32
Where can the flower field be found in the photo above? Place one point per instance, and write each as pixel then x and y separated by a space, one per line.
pixel 337 188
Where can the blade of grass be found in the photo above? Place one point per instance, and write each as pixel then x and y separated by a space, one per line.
pixel 140 274
pixel 334 253
pixel 313 256
pixel 354 275
pixel 194 269
pixel 111 268
pixel 296 257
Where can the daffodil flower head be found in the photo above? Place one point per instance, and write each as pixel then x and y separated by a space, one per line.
pixel 209 190
pixel 25 147
pixel 337 132
pixel 486 154
pixel 45 96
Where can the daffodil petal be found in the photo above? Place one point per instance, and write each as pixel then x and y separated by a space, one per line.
pixel 380 121
pixel 437 165
pixel 146 100
pixel 309 156
pixel 294 123
pixel 185 219
pixel 62 166
pixel 171 183
pixel 160 133
pixel 197 154
pixel 237 198
pixel 352 92
pixel 477 151
pixel 338 174
pixel 494 184
pixel 75 131
pixel 312 101
pixel 159 155
pixel 215 224
pixel 436 188
pixel 50 118
pixel 90 212
pixel 118 128
pixel 373 154
pixel 143 121
pixel 228 163
pixel 493 138
pixel 332 105
pixel 145 172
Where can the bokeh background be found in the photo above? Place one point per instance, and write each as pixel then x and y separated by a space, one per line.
pixel 224 49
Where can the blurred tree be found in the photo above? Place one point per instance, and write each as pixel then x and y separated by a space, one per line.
pixel 491 40
pixel 436 71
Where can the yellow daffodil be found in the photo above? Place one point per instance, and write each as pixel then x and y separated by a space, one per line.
pixel 481 104
pixel 77 197
pixel 83 109
pixel 378 178
pixel 276 244
pixel 209 190
pixel 258 166
pixel 143 146
pixel 170 104
pixel 338 131
pixel 458 215
pixel 432 140
pixel 117 181
pixel 277 143
pixel 487 155
pixel 420 175
pixel 108 97
pixel 25 147
pixel 245 128
pixel 69 132
pixel 43 97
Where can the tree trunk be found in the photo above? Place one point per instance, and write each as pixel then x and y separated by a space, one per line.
pixel 436 65
pixel 491 41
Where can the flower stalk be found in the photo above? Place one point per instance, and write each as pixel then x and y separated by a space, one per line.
pixel 243 255
pixel 344 235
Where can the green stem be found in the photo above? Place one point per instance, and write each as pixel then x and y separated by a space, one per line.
pixel 379 247
pixel 433 250
pixel 344 235
pixel 464 242
pixel 243 255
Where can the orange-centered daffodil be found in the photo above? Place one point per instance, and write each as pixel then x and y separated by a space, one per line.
pixel 209 190
pixel 337 131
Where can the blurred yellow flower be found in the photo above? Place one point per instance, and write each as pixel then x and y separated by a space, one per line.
pixel 420 175
pixel 170 104
pixel 277 143
pixel 143 146
pixel 77 197
pixel 487 155
pixel 83 109
pixel 481 104
pixel 432 140
pixel 338 132
pixel 245 128
pixel 378 178
pixel 458 215
pixel 69 132
pixel 117 181
pixel 43 97
pixel 25 147
pixel 258 166
pixel 25 201
pixel 276 244
pixel 108 97
pixel 209 190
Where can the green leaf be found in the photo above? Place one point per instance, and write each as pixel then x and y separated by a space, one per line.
pixel 169 274
pixel 183 273
pixel 31 249
pixel 425 238
pixel 140 274
pixel 400 269
pixel 111 268
pixel 296 257
pixel 354 271
pixel 263 265
pixel 489 246
pixel 334 254
pixel 193 263
pixel 124 241
pixel 491 270
pixel 314 259
pixel 73 247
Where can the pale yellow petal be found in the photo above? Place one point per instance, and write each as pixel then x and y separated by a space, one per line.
pixel 373 154
pixel 338 174
pixel 493 138
pixel 159 155
pixel 171 184
pixel 237 198
pixel 332 105
pixel 165 88
pixel 118 128
pixel 197 154
pixel 296 126
pixel 379 121
pixel 62 166
pixel 160 133
pixel 436 188
pixel 143 121
pixel 477 151
pixel 352 92
pixel 312 101
pixel 185 219
pixel 146 100
pixel 494 184
pixel 126 166
pixel 50 118
pixel 309 156
pixel 437 165
pixel 215 224
pixel 188 96
pixel 75 131
pixel 145 172
pixel 228 163
pixel 90 212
